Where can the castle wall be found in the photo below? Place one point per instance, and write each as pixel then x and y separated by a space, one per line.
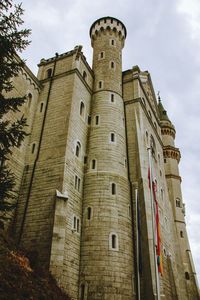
pixel 25 84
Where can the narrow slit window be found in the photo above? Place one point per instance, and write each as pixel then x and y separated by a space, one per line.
pixel 112 137
pixel 100 84
pixel 93 164
pixel 112 65
pixel 84 75
pixel 41 107
pixel 112 98
pixel 114 241
pixel 181 234
pixel 89 213
pixel 29 99
pixel 77 225
pixel 74 223
pixel 113 189
pixel 82 109
pixel 79 184
pixel 89 120
pixel 97 120
pixel 33 148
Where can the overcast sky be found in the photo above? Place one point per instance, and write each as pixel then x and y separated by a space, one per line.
pixel 163 37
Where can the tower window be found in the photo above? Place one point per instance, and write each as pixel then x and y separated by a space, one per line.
pixel 100 84
pixel 78 149
pixel 178 202
pixel 76 224
pixel 112 137
pixel 77 183
pixel 49 73
pixel 41 107
pixel 187 276
pixel 112 65
pixel 29 99
pixel 112 42
pixel 82 109
pixel 113 189
pixel 96 120
pixel 89 120
pixel 89 213
pixel 113 241
pixel 84 75
pixel 181 234
pixel 112 97
pixel 33 148
pixel 93 165
pixel 101 55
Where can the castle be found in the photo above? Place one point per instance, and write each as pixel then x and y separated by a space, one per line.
pixel 99 188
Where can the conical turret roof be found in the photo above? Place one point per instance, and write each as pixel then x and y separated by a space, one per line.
pixel 162 112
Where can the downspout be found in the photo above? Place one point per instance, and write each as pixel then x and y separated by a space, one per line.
pixel 37 156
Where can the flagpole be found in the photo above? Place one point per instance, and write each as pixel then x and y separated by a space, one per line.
pixel 153 227
pixel 137 244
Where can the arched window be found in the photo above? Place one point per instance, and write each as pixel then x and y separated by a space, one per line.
pixel 33 148
pixel 82 109
pixel 89 213
pixel 84 75
pixel 49 73
pixel 113 189
pixel 112 65
pixel 113 241
pixel 187 276
pixel 41 107
pixel 78 149
pixel 30 96
pixel 102 55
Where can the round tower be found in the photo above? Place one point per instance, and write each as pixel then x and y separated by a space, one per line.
pixel 106 248
pixel 171 160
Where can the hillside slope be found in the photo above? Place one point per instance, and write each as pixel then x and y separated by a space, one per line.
pixel 18 281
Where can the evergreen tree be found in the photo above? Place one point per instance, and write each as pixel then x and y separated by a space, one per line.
pixel 13 39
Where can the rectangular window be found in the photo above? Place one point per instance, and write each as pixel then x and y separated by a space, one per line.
pixel 76 224
pixel 97 120
pixel 112 137
pixel 77 183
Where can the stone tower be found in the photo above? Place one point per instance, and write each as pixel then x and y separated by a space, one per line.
pixel 171 160
pixel 106 243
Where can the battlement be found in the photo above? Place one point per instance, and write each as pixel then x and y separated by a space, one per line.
pixel 108 23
